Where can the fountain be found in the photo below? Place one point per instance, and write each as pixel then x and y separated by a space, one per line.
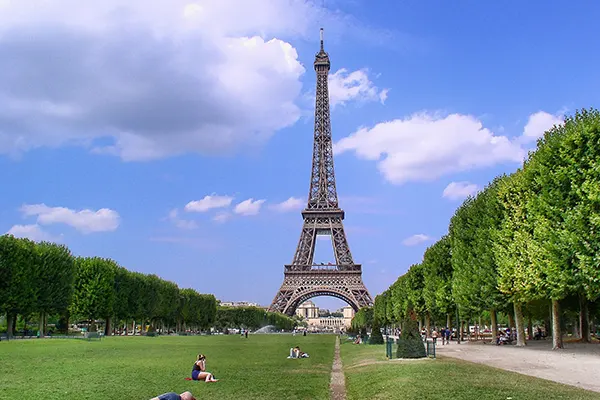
pixel 267 329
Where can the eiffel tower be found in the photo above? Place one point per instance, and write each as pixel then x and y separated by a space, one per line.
pixel 303 279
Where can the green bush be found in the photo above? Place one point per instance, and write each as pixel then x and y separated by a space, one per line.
pixel 410 344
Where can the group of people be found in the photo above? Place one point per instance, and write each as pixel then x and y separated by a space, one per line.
pixel 504 337
pixel 295 352
pixel 445 333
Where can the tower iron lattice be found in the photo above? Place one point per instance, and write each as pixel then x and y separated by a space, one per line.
pixel 303 279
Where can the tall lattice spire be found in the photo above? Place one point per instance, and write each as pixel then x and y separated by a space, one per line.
pixel 303 278
pixel 322 194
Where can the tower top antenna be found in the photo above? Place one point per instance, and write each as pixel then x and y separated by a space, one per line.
pixel 321 34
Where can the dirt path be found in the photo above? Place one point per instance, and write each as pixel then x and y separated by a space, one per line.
pixel 337 387
pixel 577 365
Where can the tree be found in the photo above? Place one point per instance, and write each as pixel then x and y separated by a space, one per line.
pixel 414 294
pixel 474 282
pixel 380 307
pixel 399 298
pixel 55 271
pixel 437 279
pixel 362 320
pixel 126 301
pixel 169 301
pixel 151 301
pixel 17 270
pixel 514 247
pixel 94 294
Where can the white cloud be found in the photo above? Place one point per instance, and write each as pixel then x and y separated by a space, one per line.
pixel 144 80
pixel 85 221
pixel 383 95
pixel 208 203
pixel 459 190
pixel 415 240
pixel 180 222
pixel 33 232
pixel 427 146
pixel 222 217
pixel 345 86
pixel 539 123
pixel 291 204
pixel 248 207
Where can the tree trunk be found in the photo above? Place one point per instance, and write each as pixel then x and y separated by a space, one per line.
pixel 584 319
pixel 478 329
pixel 448 321
pixel 494 318
pixel 427 325
pixel 41 328
pixel 511 321
pixel 107 326
pixel 557 342
pixel 10 324
pixel 519 323
pixel 529 328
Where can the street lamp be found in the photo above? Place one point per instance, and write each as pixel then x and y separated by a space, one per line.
pixel 457 326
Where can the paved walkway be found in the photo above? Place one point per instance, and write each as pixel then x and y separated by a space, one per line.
pixel 577 365
pixel 337 386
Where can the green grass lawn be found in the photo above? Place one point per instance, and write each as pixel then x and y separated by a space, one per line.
pixel 370 376
pixel 143 367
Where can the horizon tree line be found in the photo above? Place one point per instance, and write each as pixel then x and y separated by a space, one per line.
pixel 41 280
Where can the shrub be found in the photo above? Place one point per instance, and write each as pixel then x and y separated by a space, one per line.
pixel 410 344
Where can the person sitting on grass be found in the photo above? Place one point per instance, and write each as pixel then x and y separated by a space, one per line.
pixel 199 370
pixel 175 396
pixel 296 353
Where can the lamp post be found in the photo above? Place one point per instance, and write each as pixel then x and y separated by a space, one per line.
pixel 457 326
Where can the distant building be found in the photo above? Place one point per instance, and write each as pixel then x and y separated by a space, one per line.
pixel 239 304
pixel 310 312
pixel 307 310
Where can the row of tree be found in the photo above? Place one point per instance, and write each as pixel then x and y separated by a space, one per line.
pixel 526 246
pixel 46 279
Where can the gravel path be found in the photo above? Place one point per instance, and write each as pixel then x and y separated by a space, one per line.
pixel 577 365
pixel 337 386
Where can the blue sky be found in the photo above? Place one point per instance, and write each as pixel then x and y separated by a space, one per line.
pixel 116 118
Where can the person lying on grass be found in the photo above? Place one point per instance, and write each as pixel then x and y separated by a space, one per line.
pixel 296 353
pixel 175 396
pixel 199 370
